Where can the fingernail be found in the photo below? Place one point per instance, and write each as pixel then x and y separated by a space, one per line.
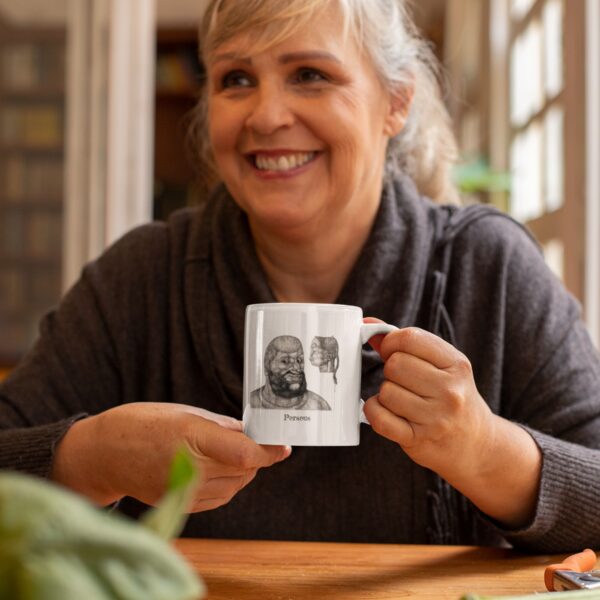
pixel 287 451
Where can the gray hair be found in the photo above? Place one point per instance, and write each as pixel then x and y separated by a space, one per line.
pixel 425 149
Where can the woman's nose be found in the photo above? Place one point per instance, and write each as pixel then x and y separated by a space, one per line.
pixel 269 111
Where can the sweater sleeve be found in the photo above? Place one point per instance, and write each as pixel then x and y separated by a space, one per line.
pixel 79 363
pixel 551 387
pixel 566 427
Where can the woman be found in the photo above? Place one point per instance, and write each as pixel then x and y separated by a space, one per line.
pixel 319 117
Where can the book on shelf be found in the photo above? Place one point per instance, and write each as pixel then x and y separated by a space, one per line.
pixel 32 89
pixel 51 66
pixel 29 66
pixel 19 63
pixel 14 178
pixel 42 127
pixel 10 125
pixel 31 178
pixel 177 71
pixel 31 126
pixel 12 289
pixel 44 235
pixel 11 231
pixel 45 288
pixel 17 336
pixel 45 179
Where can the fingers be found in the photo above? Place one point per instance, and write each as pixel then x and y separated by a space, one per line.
pixel 404 403
pixel 233 447
pixel 211 469
pixel 224 488
pixel 228 461
pixel 422 344
pixel 415 374
pixel 220 491
pixel 389 425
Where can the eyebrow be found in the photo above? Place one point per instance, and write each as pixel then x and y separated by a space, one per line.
pixel 283 59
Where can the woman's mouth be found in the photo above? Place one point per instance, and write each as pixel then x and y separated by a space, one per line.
pixel 280 164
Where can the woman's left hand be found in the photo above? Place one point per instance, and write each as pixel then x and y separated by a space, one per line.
pixel 429 403
pixel 430 406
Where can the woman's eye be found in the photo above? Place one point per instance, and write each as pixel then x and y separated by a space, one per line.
pixel 306 75
pixel 235 79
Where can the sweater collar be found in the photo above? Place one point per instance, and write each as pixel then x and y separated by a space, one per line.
pixel 223 275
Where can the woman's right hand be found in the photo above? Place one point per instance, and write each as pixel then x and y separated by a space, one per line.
pixel 127 451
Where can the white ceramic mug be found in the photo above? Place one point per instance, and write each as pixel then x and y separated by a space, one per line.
pixel 302 371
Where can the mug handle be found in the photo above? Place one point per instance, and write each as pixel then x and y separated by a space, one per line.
pixel 367 331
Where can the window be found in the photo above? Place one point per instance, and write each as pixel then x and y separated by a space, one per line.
pixel 544 48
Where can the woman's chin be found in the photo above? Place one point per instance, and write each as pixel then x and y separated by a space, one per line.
pixel 285 222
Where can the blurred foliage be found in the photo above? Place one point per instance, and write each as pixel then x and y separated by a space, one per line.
pixel 475 176
pixel 56 545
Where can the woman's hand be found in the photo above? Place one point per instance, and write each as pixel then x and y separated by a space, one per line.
pixel 430 406
pixel 127 451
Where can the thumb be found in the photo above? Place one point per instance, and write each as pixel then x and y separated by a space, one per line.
pixel 233 447
pixel 222 420
pixel 376 340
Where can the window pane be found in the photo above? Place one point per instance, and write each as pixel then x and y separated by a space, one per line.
pixel 554 254
pixel 519 8
pixel 553 47
pixel 518 107
pixel 553 164
pixel 526 75
pixel 526 169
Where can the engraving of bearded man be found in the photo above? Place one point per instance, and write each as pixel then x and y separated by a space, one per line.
pixel 285 385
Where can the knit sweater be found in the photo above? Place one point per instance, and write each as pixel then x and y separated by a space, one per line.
pixel 160 315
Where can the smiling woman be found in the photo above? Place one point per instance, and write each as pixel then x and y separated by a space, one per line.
pixel 330 152
pixel 383 33
pixel 299 130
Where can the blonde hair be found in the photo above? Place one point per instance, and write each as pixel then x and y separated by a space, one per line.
pixel 425 149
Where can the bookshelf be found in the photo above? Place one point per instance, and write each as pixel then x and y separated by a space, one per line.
pixel 32 89
pixel 177 79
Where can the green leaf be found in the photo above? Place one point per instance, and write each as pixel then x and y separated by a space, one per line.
pixel 168 518
pixel 55 545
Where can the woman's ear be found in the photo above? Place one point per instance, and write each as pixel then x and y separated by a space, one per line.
pixel 400 103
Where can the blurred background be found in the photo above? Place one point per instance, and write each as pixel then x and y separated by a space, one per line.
pixel 94 97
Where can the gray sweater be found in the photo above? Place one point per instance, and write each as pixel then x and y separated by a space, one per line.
pixel 159 317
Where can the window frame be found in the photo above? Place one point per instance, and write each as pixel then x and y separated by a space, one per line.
pixel 567 222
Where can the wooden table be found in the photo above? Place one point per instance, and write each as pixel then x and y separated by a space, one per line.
pixel 244 570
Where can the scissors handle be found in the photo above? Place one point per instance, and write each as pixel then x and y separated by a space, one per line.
pixel 582 561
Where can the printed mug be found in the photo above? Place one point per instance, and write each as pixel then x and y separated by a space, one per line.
pixel 302 370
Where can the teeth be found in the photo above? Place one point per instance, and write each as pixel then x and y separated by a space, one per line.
pixel 282 163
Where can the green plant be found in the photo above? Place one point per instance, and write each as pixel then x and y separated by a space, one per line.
pixel 54 545
pixel 475 176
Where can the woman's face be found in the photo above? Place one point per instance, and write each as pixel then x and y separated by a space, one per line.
pixel 299 131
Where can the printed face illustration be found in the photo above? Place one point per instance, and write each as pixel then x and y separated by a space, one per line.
pixel 285 385
pixel 317 356
pixel 285 372
pixel 324 353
